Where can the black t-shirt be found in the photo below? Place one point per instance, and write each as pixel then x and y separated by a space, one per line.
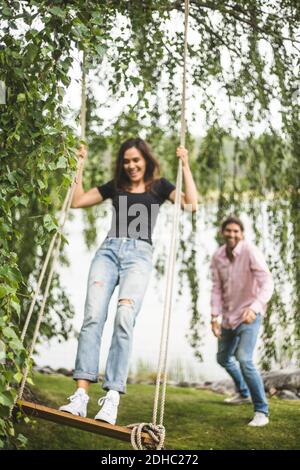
pixel 135 214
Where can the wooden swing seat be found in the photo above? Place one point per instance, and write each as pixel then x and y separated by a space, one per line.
pixel 85 424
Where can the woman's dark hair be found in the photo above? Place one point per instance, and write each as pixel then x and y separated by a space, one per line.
pixel 232 219
pixel 121 179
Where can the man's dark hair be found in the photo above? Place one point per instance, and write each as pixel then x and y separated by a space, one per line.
pixel 232 219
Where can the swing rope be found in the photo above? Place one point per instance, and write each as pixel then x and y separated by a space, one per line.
pixel 156 429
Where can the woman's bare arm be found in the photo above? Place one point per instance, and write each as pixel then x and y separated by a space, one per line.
pixel 190 196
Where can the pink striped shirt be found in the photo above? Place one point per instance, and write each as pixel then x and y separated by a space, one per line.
pixel 246 282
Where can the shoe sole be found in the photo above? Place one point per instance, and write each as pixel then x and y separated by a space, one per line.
pixel 257 425
pixel 70 413
pixel 105 421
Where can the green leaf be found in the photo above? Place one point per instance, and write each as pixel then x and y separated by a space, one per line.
pixel 49 223
pixel 41 184
pixel 16 306
pixel 6 290
pixel 2 351
pixel 23 200
pixel 9 332
pixel 58 12
pixel 6 399
pixel 62 162
pixel 31 53
pixel 18 377
pixel 11 274
pixel 2 357
pixel 16 345
pixel 22 439
pixel 21 97
pixel 6 12
pixel 19 200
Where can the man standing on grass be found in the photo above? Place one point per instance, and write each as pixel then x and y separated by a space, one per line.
pixel 241 287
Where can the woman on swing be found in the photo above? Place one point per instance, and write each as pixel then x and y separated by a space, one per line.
pixel 124 258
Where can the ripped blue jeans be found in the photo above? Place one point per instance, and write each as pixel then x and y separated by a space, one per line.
pixel 123 261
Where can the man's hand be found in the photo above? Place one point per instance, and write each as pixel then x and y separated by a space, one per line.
pixel 216 328
pixel 248 316
pixel 82 152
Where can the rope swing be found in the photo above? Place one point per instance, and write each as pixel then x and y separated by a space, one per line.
pixel 142 435
pixel 156 429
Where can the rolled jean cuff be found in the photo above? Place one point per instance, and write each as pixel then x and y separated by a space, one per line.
pixel 77 375
pixel 114 386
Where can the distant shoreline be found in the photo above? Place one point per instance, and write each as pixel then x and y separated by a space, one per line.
pixel 283 383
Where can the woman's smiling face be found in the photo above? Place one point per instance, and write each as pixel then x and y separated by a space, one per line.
pixel 134 165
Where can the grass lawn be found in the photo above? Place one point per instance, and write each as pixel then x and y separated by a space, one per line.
pixel 194 419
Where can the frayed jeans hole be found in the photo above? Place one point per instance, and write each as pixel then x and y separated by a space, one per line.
pixel 125 302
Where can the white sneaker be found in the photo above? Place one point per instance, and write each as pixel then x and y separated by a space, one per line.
pixel 237 399
pixel 78 403
pixel 109 408
pixel 260 419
